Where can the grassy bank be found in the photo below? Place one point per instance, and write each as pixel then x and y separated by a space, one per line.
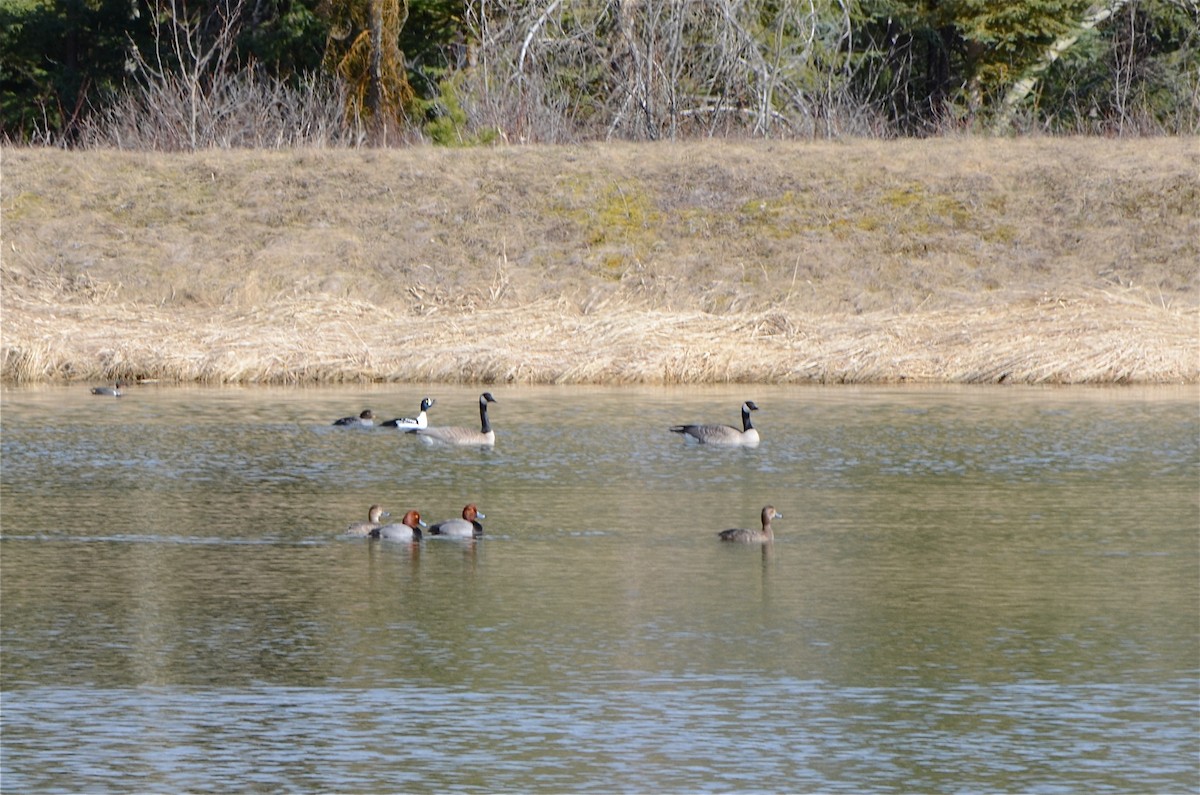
pixel 973 260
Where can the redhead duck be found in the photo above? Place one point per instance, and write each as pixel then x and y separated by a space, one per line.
pixel 407 530
pixel 374 514
pixel 466 527
pixel 753 536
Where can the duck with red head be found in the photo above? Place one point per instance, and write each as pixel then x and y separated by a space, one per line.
pixel 466 527
pixel 407 530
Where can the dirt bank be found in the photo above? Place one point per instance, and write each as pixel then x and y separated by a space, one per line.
pixel 963 260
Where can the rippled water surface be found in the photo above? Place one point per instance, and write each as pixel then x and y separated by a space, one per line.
pixel 993 589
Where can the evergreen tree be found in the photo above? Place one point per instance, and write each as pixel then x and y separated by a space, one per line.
pixel 59 57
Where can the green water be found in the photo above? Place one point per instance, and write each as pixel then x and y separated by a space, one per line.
pixel 992 589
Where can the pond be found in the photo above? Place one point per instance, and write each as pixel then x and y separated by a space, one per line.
pixel 970 589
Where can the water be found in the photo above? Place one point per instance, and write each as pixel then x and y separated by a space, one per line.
pixel 971 589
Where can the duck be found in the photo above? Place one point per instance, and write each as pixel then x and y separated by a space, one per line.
pixel 466 527
pixel 419 421
pixel 724 434
pixel 374 514
pixel 407 530
pixel 108 391
pixel 451 434
pixel 366 419
pixel 765 535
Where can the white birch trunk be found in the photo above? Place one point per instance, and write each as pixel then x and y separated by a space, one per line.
pixel 1024 87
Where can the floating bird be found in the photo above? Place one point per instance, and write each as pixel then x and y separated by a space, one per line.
pixel 753 536
pixel 466 527
pixel 451 434
pixel 419 421
pixel 108 391
pixel 724 434
pixel 407 530
pixel 374 514
pixel 364 420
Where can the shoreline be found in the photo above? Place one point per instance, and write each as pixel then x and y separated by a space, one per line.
pixel 955 261
pixel 1096 340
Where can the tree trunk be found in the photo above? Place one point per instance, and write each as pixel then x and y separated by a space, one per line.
pixel 1024 87
pixel 375 87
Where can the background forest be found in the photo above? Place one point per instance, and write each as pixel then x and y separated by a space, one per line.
pixel 173 75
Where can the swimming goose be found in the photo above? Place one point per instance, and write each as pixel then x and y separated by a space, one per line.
pixel 365 420
pixel 407 530
pixel 466 527
pixel 753 536
pixel 451 434
pixel 108 391
pixel 724 434
pixel 419 421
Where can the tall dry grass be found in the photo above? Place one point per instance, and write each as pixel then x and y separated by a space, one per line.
pixel 1051 260
pixel 1096 341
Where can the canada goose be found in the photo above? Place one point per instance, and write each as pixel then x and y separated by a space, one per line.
pixel 374 514
pixel 365 420
pixel 108 391
pixel 466 527
pixel 452 434
pixel 753 536
pixel 724 434
pixel 419 421
pixel 407 530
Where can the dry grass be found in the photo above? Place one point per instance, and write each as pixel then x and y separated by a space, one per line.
pixel 1050 260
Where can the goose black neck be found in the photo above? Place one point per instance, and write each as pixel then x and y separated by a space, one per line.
pixel 746 424
pixel 485 426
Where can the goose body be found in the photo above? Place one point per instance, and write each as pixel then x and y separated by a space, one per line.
pixel 466 527
pixel 108 391
pixel 451 434
pixel 419 421
pixel 407 530
pixel 753 536
pixel 365 420
pixel 374 514
pixel 724 434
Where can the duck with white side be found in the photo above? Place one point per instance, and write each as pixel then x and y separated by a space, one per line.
pixel 419 421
